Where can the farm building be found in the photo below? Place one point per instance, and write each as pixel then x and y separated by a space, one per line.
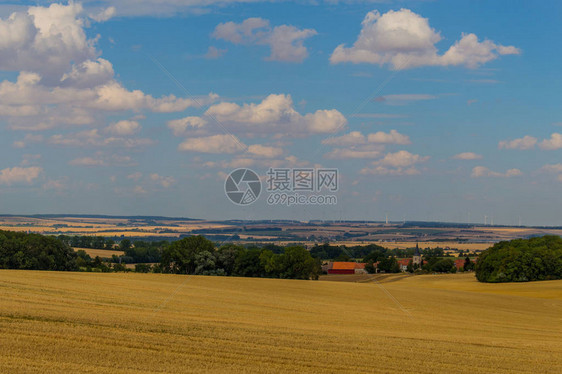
pixel 345 268
pixel 403 263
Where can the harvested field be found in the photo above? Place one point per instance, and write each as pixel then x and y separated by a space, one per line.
pixel 128 322
pixel 101 252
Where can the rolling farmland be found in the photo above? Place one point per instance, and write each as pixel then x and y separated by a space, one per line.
pixel 395 235
pixel 127 322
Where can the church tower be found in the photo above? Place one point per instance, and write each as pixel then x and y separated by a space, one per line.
pixel 417 259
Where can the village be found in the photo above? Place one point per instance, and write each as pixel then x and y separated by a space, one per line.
pixel 411 265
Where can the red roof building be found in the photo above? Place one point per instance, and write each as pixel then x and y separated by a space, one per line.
pixel 345 268
pixel 403 263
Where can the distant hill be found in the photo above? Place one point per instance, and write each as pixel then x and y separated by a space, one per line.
pixel 99 216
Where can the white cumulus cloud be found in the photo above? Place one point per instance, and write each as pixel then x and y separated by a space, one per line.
pixel 555 142
pixel 18 175
pixel 213 144
pixel 104 14
pixel 265 151
pixel 123 128
pixel 63 80
pixel 481 171
pixel 285 41
pixel 404 39
pixel 397 163
pixel 275 115
pixel 352 138
pixel 357 138
pixel 524 143
pixel 393 137
pixel 45 40
pixel 165 182
pixel 552 168
pixel 180 127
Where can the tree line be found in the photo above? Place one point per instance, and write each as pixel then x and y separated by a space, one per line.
pixel 198 255
pixel 192 255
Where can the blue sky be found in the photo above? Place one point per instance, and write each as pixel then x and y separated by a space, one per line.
pixel 430 110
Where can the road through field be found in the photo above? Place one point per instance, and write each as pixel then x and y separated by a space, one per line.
pixel 127 323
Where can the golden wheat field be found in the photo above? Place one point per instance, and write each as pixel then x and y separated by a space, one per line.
pixel 127 323
pixel 103 253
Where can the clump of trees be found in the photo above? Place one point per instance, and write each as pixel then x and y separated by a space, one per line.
pixel 197 255
pixel 389 265
pixel 436 265
pixel 35 252
pixel 386 262
pixel 521 260
pixel 141 251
